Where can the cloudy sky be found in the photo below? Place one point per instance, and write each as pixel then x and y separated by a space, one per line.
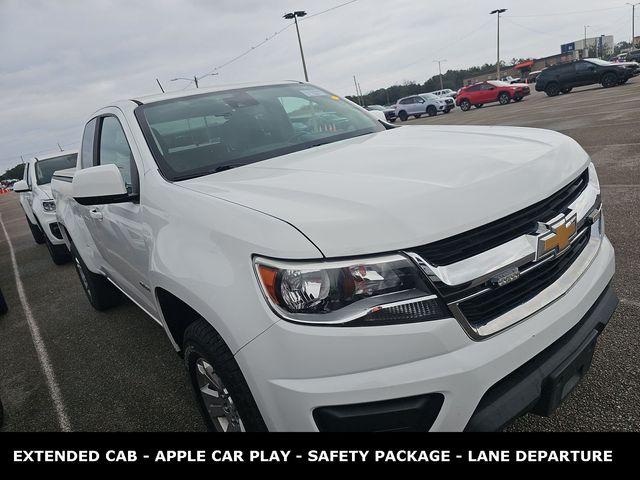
pixel 63 59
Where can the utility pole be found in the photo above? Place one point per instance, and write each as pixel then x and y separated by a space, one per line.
pixel 498 11
pixel 633 22
pixel 295 16
pixel 361 97
pixel 355 82
pixel 440 72
pixel 585 48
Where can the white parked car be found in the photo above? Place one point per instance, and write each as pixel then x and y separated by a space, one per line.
pixel 38 204
pixel 423 104
pixel 447 92
pixel 321 270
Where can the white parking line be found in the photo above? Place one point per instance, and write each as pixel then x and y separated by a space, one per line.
pixel 41 350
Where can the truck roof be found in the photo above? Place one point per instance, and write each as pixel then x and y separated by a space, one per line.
pixel 47 156
pixel 158 97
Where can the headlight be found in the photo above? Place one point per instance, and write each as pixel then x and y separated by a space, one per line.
pixel 49 205
pixel 372 291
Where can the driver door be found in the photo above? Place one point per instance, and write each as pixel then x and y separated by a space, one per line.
pixel 118 228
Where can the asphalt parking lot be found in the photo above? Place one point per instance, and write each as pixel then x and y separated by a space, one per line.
pixel 116 370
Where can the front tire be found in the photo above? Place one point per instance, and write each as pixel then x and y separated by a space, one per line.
pixel 38 235
pixel 403 116
pixel 552 89
pixel 221 391
pixel 100 292
pixel 504 98
pixel 432 111
pixel 465 105
pixel 609 80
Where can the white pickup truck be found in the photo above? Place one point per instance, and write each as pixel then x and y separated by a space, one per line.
pixel 38 204
pixel 320 269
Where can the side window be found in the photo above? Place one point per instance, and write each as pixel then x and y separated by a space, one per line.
pixel 405 101
pixel 475 88
pixel 86 154
pixel 114 149
pixel 582 67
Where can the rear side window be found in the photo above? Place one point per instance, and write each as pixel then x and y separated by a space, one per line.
pixel 114 149
pixel 88 137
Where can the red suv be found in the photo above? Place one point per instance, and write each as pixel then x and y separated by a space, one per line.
pixel 490 91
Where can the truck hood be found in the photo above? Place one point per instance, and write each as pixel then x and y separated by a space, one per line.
pixel 403 187
pixel 46 191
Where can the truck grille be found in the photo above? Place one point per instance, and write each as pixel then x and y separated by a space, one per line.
pixel 470 243
pixel 484 308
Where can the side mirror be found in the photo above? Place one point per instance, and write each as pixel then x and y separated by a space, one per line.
pixel 21 186
pixel 379 114
pixel 99 185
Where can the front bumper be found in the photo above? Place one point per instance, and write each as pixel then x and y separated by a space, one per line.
pixel 49 224
pixel 294 370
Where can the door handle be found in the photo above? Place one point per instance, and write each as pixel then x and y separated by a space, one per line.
pixel 95 213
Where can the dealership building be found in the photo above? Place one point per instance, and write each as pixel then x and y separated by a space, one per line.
pixel 599 46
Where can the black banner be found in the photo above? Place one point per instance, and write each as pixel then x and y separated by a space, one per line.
pixel 125 450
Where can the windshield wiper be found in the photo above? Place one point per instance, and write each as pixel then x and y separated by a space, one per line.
pixel 219 168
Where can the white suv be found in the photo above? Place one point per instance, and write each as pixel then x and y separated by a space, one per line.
pixel 38 204
pixel 423 104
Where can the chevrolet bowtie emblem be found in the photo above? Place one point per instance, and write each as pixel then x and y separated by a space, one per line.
pixel 558 237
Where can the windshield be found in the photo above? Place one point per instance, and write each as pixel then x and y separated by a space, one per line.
pixel 202 134
pixel 597 61
pixel 45 168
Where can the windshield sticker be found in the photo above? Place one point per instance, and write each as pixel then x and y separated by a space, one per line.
pixel 313 92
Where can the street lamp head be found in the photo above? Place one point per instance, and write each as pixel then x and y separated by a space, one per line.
pixel 291 15
pixel 500 10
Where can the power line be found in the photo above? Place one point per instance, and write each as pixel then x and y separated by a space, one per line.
pixel 563 13
pixel 267 39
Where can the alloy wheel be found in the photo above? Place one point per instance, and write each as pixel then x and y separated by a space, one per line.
pixel 217 401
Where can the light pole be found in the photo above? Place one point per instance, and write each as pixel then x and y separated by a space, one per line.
pixel 295 15
pixel 633 22
pixel 440 72
pixel 498 11
pixel 585 49
pixel 194 79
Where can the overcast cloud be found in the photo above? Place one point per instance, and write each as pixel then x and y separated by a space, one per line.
pixel 63 59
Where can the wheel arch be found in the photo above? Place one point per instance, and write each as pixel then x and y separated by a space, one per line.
pixel 177 315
